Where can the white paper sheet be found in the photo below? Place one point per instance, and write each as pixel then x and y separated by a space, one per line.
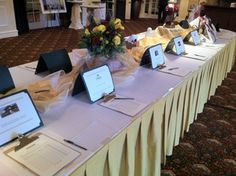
pixel 179 45
pixel 175 70
pixel 214 46
pixel 44 156
pixel 195 37
pixel 157 56
pixel 29 66
pixel 129 107
pixel 93 136
pixel 98 82
pixel 195 56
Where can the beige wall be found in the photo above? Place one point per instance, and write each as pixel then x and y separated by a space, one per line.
pixel 7 19
pixel 185 4
pixel 183 10
pixel 212 2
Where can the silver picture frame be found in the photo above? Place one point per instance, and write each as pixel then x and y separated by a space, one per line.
pixel 53 6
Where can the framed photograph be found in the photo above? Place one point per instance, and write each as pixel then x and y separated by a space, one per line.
pixel 53 6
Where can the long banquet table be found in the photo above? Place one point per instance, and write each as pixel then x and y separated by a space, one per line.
pixel 122 145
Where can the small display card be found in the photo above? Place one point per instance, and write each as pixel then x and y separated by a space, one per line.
pixel 98 82
pixel 179 45
pixel 7 82
pixel 156 56
pixel 54 61
pixel 196 38
pixel 17 116
pixel 210 33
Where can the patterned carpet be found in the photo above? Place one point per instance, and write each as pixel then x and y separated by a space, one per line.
pixel 209 148
pixel 27 47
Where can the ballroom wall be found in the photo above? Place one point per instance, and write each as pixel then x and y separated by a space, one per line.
pixel 186 4
pixel 7 19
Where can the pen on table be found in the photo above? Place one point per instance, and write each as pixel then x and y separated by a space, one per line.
pixel 162 66
pixel 71 142
pixel 210 46
pixel 30 67
pixel 173 68
pixel 123 98
pixel 199 55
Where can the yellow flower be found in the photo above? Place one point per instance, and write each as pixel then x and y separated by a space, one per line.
pixel 87 32
pixel 116 40
pixel 100 28
pixel 117 20
pixel 101 38
pixel 118 25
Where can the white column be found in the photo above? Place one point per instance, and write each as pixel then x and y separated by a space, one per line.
pixel 75 17
pixel 128 9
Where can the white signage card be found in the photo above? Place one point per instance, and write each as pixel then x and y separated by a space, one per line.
pixel 17 116
pixel 196 38
pixel 157 56
pixel 210 33
pixel 98 82
pixel 179 45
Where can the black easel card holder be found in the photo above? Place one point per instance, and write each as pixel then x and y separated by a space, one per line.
pixel 170 45
pixel 6 81
pixel 54 61
pixel 153 56
pixel 194 37
pixel 176 46
pixel 78 86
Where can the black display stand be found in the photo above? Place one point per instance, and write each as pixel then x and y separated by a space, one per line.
pixel 6 80
pixel 54 61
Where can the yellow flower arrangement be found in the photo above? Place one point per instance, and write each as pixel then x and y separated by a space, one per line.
pixel 104 40
pixel 116 40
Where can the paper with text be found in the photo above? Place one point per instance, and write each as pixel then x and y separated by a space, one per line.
pixel 98 82
pixel 157 56
pixel 195 37
pixel 126 106
pixel 195 56
pixel 179 45
pixel 44 156
pixel 175 70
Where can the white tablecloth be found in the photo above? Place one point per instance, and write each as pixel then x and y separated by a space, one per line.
pixel 122 145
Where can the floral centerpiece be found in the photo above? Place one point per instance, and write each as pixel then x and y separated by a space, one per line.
pixel 103 39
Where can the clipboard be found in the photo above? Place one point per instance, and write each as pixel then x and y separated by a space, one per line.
pixel 42 154
pixel 78 86
pixel 54 61
pixel 6 80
